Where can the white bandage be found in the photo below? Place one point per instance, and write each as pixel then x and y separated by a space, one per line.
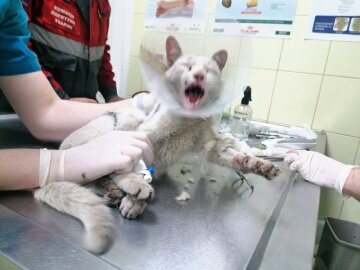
pixel 52 166
pixel 138 101
pixel 144 102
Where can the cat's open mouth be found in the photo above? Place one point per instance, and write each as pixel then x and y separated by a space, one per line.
pixel 193 95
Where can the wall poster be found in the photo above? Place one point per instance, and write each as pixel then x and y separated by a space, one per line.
pixel 176 16
pixel 255 18
pixel 335 20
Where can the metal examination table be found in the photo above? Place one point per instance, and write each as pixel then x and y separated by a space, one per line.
pixel 222 226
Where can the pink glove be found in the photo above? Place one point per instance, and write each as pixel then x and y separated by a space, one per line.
pixel 116 151
pixel 319 169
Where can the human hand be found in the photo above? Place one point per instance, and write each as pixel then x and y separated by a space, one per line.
pixel 318 169
pixel 83 99
pixel 117 151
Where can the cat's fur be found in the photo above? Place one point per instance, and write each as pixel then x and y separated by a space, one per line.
pixel 194 81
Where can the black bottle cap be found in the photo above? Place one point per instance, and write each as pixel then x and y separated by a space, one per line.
pixel 247 96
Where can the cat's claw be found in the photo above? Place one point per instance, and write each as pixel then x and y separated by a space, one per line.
pixel 131 208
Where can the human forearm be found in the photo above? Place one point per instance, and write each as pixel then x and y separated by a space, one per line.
pixel 120 151
pixel 352 184
pixel 19 169
pixel 68 116
pixel 47 116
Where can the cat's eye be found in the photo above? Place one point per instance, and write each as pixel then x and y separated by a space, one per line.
pixel 187 66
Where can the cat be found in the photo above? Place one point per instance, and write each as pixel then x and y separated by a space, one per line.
pixel 194 82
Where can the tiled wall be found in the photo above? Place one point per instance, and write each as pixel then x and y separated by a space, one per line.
pixel 294 81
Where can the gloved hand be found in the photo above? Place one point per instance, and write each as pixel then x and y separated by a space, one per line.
pixel 319 169
pixel 114 152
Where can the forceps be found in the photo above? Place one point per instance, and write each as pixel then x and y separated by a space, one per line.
pixel 247 181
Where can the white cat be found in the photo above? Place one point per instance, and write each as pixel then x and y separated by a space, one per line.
pixel 194 82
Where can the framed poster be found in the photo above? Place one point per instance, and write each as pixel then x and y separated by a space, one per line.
pixel 335 20
pixel 256 18
pixel 176 16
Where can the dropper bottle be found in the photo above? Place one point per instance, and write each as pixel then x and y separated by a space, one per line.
pixel 242 116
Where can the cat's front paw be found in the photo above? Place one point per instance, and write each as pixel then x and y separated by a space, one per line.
pixel 262 167
pixel 131 208
pixel 135 185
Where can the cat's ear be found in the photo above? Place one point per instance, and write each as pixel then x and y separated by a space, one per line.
pixel 220 58
pixel 173 50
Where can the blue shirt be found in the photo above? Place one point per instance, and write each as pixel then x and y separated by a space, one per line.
pixel 15 56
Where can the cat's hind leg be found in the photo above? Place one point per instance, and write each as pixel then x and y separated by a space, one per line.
pixel 226 151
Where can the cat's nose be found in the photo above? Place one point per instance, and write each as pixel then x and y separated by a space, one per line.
pixel 199 77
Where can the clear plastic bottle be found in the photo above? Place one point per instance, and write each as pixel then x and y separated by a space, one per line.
pixel 242 116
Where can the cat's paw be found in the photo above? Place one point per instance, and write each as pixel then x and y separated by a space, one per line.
pixel 262 167
pixel 110 191
pixel 269 170
pixel 136 186
pixel 131 208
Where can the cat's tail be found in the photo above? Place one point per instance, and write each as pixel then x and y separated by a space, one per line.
pixel 81 203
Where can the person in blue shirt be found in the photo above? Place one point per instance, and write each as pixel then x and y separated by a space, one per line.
pixel 49 118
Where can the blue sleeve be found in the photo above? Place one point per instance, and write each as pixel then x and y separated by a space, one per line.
pixel 15 56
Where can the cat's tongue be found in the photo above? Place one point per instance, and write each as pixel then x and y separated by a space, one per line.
pixel 193 96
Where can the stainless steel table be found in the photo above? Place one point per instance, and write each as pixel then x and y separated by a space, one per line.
pixel 223 226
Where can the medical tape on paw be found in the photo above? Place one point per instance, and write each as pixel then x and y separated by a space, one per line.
pixel 141 168
pixel 52 166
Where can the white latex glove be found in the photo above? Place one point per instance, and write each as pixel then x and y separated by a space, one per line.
pixel 117 151
pixel 319 169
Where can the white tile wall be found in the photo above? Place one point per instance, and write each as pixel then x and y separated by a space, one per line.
pixel 339 106
pixel 263 82
pixel 260 52
pixel 344 59
pixel 301 55
pixel 294 104
pixel 351 210
pixel 342 148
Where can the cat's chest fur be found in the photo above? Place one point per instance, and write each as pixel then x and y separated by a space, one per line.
pixel 172 136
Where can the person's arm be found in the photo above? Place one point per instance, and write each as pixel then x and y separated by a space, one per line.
pixel 107 84
pixel 324 171
pixel 19 175
pixel 120 152
pixel 45 115
pixel 352 184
